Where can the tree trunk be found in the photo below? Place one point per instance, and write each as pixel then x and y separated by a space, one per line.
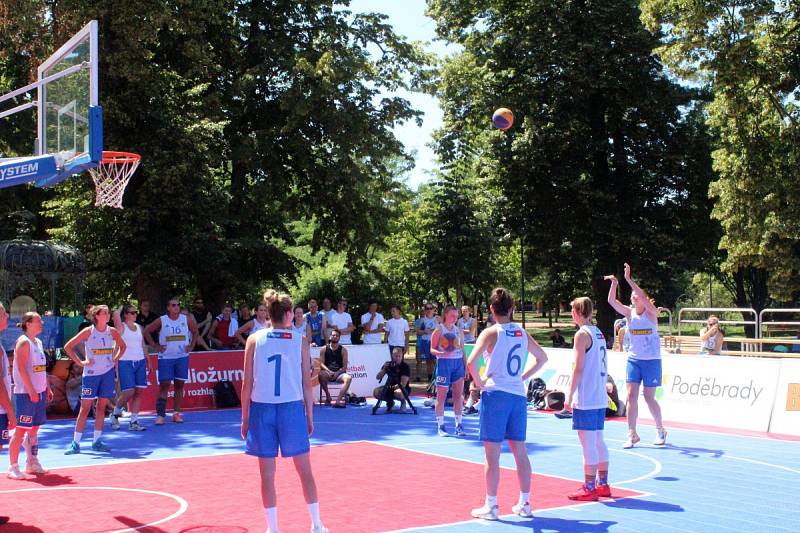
pixel 151 290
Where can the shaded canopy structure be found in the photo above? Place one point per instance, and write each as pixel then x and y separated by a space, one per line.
pixel 25 262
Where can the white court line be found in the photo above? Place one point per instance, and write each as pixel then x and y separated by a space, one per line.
pixel 762 463
pixel 656 469
pixel 182 504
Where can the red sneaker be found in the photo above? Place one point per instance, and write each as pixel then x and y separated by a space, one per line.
pixel 584 495
pixel 603 491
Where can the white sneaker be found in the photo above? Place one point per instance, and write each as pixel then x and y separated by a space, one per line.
pixel 33 466
pixel 14 473
pixel 320 529
pixel 114 421
pixel 661 437
pixel 523 509
pixel 632 439
pixel 485 512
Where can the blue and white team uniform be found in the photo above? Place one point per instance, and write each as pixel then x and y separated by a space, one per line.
pixel 30 414
pixel 132 366
pixel 504 410
pixel 277 409
pixel 424 341
pixel 173 362
pixel 590 400
pixel 5 375
pixel 315 323
pixel 644 355
pixel 450 366
pixel 466 325
pixel 98 377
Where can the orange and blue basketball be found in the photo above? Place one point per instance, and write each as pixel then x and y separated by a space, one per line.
pixel 503 118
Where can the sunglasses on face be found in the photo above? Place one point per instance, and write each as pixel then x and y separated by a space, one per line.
pixel 130 312
pixel 174 305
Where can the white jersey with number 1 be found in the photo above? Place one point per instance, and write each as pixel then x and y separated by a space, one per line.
pixel 504 365
pixel 100 349
pixel 277 370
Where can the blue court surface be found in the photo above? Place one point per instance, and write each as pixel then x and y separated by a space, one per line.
pixel 701 481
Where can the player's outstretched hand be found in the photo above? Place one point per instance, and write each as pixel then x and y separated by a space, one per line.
pixel 610 277
pixel 245 426
pixel 627 271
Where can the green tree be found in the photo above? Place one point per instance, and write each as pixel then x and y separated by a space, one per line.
pixel 746 52
pixel 595 171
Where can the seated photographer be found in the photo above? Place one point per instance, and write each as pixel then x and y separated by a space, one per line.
pixel 333 366
pixel 398 375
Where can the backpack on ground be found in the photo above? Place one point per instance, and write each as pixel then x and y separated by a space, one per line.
pixel 225 395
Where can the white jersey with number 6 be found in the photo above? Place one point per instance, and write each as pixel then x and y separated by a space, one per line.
pixel 590 393
pixel 277 370
pixel 505 364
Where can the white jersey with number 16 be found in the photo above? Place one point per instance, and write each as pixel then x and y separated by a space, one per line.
pixel 277 372
pixel 505 364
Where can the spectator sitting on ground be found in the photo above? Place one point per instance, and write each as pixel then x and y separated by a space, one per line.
pixel 333 368
pixel 223 330
pixel 711 337
pixel 72 388
pixel 558 339
pixel 399 374
pixel 373 324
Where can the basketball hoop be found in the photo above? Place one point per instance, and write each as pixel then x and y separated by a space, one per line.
pixel 111 177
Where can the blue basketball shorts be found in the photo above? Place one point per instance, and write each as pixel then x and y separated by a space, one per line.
pixel 448 371
pixel 646 371
pixel 504 416
pixel 102 386
pixel 132 374
pixel 589 419
pixel 3 429
pixel 30 414
pixel 173 369
pixel 277 425
pixel 424 349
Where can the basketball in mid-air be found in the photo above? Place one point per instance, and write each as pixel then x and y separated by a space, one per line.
pixel 503 118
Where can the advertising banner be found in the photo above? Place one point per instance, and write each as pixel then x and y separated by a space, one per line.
pixel 786 412
pixel 730 392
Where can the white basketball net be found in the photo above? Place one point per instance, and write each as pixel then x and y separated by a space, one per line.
pixel 111 177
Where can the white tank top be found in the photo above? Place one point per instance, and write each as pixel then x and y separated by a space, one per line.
pixel 133 343
pixel 258 325
pixel 644 340
pixel 301 329
pixel 465 325
pixel 505 364
pixel 5 374
pixel 277 370
pixel 174 334
pixel 451 342
pixel 590 393
pixel 100 349
pixel 37 366
pixel 710 343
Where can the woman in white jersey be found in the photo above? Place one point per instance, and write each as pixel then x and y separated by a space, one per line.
pixel 447 345
pixel 177 335
pixel 31 395
pixel 103 346
pixel 504 411
pixel 277 406
pixel 261 321
pixel 711 337
pixel 8 420
pixel 299 323
pixel 588 400
pixel 132 367
pixel 644 355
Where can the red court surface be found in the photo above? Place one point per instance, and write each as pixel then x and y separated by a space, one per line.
pixel 361 486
